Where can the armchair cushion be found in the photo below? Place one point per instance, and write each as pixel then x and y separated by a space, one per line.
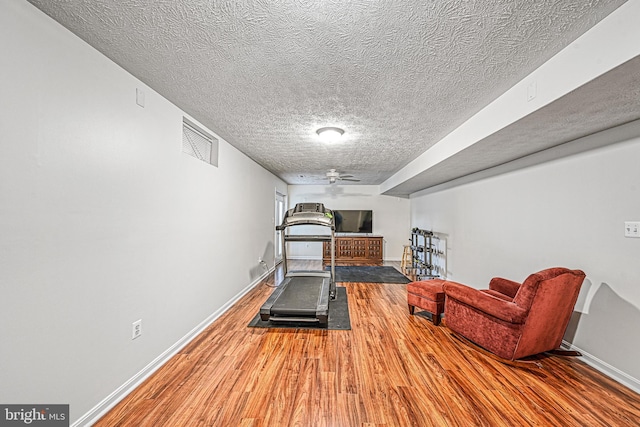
pixel 504 286
pixel 498 295
pixel 488 304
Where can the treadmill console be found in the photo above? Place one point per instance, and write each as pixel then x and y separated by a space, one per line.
pixel 309 207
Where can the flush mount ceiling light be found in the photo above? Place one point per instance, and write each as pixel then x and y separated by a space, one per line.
pixel 330 134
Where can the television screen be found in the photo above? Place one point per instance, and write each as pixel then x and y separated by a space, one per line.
pixel 353 221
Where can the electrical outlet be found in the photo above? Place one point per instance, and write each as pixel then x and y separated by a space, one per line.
pixel 632 229
pixel 136 329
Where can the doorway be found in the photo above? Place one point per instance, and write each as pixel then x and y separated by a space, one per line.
pixel 281 208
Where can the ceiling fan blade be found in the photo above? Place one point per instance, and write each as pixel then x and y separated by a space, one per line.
pixel 346 176
pixel 350 179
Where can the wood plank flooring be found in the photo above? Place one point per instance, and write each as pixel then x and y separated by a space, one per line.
pixel 391 369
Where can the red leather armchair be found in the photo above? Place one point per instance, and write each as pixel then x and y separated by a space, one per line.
pixel 514 320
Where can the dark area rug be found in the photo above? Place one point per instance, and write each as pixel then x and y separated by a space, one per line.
pixel 369 274
pixel 338 316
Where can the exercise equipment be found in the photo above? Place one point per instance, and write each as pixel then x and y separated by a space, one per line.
pixel 304 295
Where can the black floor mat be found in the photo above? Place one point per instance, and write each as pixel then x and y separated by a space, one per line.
pixel 369 274
pixel 338 316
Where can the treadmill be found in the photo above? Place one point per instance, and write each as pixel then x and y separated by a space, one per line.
pixel 303 296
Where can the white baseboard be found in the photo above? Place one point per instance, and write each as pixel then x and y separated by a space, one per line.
pixel 121 392
pixel 610 371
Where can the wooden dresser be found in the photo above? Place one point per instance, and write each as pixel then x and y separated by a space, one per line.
pixel 352 250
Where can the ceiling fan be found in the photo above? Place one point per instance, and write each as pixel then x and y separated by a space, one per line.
pixel 334 176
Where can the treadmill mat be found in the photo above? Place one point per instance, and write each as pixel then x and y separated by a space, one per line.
pixel 338 317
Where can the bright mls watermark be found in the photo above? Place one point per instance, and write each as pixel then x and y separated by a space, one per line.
pixel 34 415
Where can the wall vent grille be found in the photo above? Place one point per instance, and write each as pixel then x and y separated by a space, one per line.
pixel 198 143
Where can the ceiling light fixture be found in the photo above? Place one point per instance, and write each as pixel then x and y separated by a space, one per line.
pixel 330 134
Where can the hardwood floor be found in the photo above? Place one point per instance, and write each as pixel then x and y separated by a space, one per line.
pixel 391 369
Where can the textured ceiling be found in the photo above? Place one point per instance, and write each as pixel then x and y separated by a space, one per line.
pixel 396 75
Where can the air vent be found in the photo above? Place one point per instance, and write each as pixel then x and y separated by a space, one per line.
pixel 198 143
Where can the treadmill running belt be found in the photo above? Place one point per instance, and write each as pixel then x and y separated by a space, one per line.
pixel 300 297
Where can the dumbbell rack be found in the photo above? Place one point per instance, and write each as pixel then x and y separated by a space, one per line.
pixel 424 254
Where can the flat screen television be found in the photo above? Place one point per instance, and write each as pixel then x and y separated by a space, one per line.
pixel 353 221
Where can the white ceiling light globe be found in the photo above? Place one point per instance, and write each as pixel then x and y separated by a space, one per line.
pixel 330 134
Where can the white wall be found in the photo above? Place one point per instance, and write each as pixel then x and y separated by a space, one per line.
pixel 568 212
pixel 104 221
pixel 390 215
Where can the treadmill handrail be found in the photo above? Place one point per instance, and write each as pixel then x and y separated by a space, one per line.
pixel 292 222
pixel 306 222
pixel 307 238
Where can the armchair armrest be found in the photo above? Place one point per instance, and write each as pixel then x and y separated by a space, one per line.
pixel 487 303
pixel 504 286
